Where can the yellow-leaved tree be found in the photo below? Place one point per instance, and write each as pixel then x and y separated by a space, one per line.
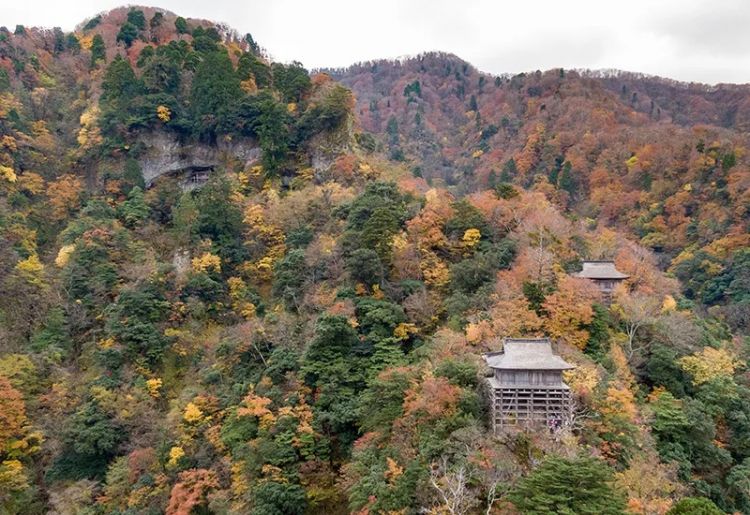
pixel 192 414
pixel 32 270
pixel 709 364
pixel 206 262
pixel 7 173
pixel 163 113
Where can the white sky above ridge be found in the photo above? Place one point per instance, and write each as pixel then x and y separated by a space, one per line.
pixel 690 40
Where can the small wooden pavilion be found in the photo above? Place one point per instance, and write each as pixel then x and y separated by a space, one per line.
pixel 526 384
pixel 604 275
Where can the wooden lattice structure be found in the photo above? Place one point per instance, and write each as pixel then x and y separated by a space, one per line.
pixel 199 176
pixel 526 384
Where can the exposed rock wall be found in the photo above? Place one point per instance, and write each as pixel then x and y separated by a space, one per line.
pixel 165 154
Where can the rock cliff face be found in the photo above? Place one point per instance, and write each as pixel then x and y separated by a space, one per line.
pixel 166 155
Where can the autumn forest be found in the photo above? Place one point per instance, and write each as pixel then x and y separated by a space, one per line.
pixel 230 285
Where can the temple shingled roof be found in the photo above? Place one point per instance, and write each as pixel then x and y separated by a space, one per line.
pixel 526 354
pixel 600 270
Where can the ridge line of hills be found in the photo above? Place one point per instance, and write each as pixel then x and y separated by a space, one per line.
pixel 230 285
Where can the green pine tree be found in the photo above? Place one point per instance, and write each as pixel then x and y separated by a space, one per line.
pixel 580 486
pixel 98 50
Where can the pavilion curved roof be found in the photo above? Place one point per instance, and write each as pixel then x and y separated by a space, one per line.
pixel 600 270
pixel 526 354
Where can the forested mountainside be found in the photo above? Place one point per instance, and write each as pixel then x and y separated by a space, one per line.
pixel 230 286
pixel 662 161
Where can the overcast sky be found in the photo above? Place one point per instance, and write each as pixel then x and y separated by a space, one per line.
pixel 693 40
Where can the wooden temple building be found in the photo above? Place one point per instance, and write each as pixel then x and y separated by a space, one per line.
pixel 604 275
pixel 526 384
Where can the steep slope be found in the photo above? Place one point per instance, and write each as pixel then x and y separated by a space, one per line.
pixel 664 161
pixel 219 294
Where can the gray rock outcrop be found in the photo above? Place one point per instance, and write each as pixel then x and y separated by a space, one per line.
pixel 166 155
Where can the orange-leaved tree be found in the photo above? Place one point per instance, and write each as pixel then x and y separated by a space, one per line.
pixel 569 310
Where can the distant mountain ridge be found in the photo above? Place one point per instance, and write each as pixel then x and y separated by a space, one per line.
pixel 232 286
pixel 611 137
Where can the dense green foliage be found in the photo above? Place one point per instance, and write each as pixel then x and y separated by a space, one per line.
pixel 694 506
pixel 569 487
pixel 217 296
